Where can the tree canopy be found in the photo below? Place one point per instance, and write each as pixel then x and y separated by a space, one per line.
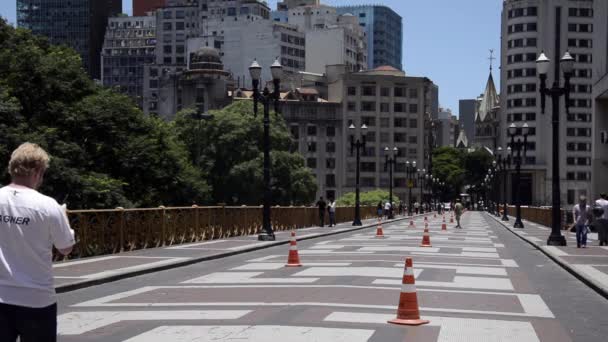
pixel 230 147
pixel 368 198
pixel 105 152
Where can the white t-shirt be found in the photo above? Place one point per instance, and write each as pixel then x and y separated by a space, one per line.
pixel 30 224
pixel 604 204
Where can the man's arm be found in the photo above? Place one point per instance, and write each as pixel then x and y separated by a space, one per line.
pixel 61 233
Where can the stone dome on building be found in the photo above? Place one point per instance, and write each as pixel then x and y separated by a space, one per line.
pixel 206 58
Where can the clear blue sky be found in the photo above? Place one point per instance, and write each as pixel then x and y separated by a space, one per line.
pixel 445 40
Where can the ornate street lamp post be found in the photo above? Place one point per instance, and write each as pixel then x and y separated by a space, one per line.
pixel 555 92
pixel 518 146
pixel 410 172
pixel 389 164
pixel 357 145
pixel 503 163
pixel 200 116
pixel 267 99
pixel 421 175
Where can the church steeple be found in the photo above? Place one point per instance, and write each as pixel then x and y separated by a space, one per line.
pixel 489 100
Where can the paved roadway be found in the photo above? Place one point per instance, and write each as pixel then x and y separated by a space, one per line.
pixel 481 283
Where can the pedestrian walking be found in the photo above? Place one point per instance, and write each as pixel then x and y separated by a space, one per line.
pixel 30 225
pixel 416 207
pixel 401 208
pixel 321 204
pixel 581 212
pixel 458 210
pixel 379 210
pixel 602 221
pixel 387 209
pixel 331 209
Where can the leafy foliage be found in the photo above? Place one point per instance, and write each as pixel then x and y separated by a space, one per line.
pixel 104 151
pixel 231 151
pixel 369 198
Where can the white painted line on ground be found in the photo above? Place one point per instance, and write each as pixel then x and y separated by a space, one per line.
pixel 252 334
pixel 398 249
pixel 188 246
pixel 244 277
pixel 554 250
pixel 77 323
pixel 85 261
pixel 454 329
pixel 278 265
pixel 106 274
pixel 479 249
pixel 461 282
pixel 499 245
pixel 534 305
pixel 374 272
pixel 509 263
pixel 596 275
pixel 490 271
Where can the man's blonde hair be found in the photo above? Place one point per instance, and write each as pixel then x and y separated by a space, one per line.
pixel 27 159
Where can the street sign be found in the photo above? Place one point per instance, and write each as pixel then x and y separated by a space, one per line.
pixel 410 183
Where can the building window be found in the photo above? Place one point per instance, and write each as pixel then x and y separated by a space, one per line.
pixel 352 91
pixel 413 139
pixel 330 131
pixel 330 163
pixel 312 146
pixel 368 91
pixel 385 123
pixel 368 167
pixel 385 91
pixel 179 26
pixel 413 93
pixel 370 137
pixel 330 147
pixel 369 121
pixel 351 106
pixel 400 122
pixel 311 130
pixel 384 137
pixel 399 137
pixel 413 108
pixel 570 196
pixel 167 26
pixel 399 92
pixel 384 107
pixel 311 163
pixel 413 123
pixel 330 180
pixel 368 106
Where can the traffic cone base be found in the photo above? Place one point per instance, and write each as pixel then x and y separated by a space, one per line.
pixel 444 226
pixel 408 312
pixel 379 233
pixel 293 260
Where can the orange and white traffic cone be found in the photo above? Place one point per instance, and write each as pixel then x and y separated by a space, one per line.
pixel 379 233
pixel 443 218
pixel 444 226
pixel 426 238
pixel 408 312
pixel 412 225
pixel 452 219
pixel 294 258
pixel 426 219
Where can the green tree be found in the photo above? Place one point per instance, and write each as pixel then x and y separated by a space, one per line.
pixel 232 156
pixel 448 167
pixel 368 198
pixel 104 151
pixel 476 165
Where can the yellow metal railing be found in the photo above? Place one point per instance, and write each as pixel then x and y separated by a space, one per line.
pixel 538 215
pixel 100 232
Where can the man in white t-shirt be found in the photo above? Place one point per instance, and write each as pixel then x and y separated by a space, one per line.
pixel 602 222
pixel 30 224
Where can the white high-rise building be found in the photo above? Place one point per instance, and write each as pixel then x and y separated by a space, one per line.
pixel 553 26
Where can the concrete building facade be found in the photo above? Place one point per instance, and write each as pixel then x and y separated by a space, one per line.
pixel 384 31
pixel 466 116
pixel 600 99
pixel 552 26
pixel 80 25
pixel 448 128
pixel 129 44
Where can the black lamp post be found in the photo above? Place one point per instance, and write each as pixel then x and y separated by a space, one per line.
pixel 518 146
pixel 389 163
pixel 357 145
pixel 410 172
pixel 503 163
pixel 555 92
pixel 200 116
pixel 266 98
pixel 421 175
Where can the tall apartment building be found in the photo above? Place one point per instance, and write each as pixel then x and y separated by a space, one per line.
pixel 394 107
pixel 600 99
pixel 80 25
pixel 552 26
pixel 339 39
pixel 466 116
pixel 142 7
pixel 448 128
pixel 384 31
pixel 129 44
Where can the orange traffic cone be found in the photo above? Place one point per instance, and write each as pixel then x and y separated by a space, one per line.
pixel 426 219
pixel 443 218
pixel 379 233
pixel 294 258
pixel 426 239
pixel 444 226
pixel 412 225
pixel 452 219
pixel 408 312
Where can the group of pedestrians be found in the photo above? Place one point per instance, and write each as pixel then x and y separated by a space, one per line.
pixel 584 215
pixel 331 211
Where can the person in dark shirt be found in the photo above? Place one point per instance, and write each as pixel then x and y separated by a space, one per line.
pixel 321 204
